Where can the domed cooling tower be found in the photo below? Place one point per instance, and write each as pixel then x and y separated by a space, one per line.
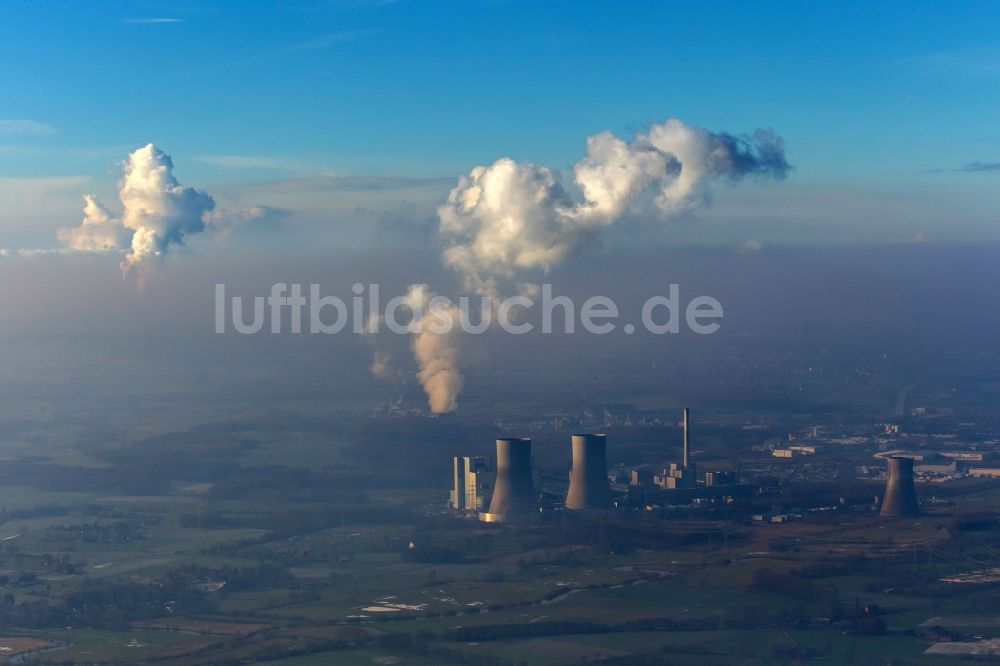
pixel 513 492
pixel 588 482
pixel 900 496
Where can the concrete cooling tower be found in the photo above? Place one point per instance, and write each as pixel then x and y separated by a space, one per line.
pixel 514 493
pixel 588 481
pixel 900 496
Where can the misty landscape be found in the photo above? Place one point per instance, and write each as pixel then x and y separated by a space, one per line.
pixel 504 334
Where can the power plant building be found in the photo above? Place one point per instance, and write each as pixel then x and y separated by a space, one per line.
pixel 588 480
pixel 722 478
pixel 685 474
pixel 900 498
pixel 676 476
pixel 473 484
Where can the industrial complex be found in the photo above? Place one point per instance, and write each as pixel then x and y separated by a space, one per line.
pixel 508 488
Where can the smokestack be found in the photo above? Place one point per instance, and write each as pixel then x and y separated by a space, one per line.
pixel 514 492
pixel 900 496
pixel 686 442
pixel 588 482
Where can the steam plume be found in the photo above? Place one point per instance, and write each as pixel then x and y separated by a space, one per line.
pixel 511 217
pixel 435 348
pixel 504 221
pixel 434 343
pixel 99 231
pixel 157 213
pixel 158 210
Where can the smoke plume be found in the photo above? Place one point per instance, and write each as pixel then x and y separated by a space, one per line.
pixel 435 348
pixel 511 217
pixel 381 366
pixel 434 342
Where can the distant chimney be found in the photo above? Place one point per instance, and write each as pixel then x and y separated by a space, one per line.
pixel 900 498
pixel 687 443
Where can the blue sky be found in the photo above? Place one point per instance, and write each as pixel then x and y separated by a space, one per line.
pixel 869 97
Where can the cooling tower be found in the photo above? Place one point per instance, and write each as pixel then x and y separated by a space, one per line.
pixel 588 481
pixel 900 495
pixel 513 493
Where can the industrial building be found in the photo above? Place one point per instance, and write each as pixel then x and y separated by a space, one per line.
pixel 683 475
pixel 474 478
pixel 722 478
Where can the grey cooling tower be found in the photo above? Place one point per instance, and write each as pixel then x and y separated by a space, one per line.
pixel 514 492
pixel 900 496
pixel 588 482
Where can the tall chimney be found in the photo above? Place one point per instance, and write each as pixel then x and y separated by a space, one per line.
pixel 686 441
pixel 588 481
pixel 900 498
pixel 514 491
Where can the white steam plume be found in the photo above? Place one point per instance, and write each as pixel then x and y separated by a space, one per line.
pixel 157 208
pixel 504 221
pixel 157 214
pixel 511 217
pixel 99 231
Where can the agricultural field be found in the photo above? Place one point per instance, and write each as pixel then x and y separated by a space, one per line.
pixel 257 553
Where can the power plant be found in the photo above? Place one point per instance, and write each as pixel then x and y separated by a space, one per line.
pixel 588 480
pixel 473 480
pixel 900 495
pixel 685 474
pixel 514 494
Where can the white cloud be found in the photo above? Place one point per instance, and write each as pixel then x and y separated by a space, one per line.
pixel 243 161
pixel 158 213
pixel 99 231
pixel 510 218
pixel 223 221
pixel 153 21
pixel 25 127
pixel 158 209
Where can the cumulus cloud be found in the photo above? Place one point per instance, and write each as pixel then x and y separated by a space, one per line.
pixel 509 218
